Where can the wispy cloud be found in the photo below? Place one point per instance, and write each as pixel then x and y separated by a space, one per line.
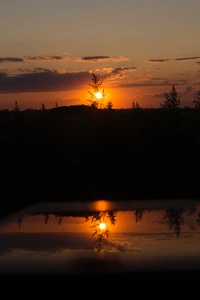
pixel 11 60
pixel 48 58
pixel 187 91
pixel 159 78
pixel 123 247
pixel 102 59
pixel 161 60
pixel 157 60
pixel 56 58
pixel 153 84
pixel 158 95
pixel 124 70
pixel 18 71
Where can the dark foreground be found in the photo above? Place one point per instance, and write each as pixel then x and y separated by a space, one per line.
pixel 81 153
pixel 135 284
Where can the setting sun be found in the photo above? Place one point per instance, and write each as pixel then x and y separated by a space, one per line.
pixel 102 226
pixel 98 95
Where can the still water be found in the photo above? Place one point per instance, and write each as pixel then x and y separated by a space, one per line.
pixel 101 236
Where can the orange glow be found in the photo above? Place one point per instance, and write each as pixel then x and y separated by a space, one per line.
pixel 102 226
pixel 98 95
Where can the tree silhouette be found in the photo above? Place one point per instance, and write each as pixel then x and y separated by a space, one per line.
pixel 196 100
pixel 16 107
pixel 175 219
pixel 97 87
pixel 135 105
pixel 109 105
pixel 172 99
pixel 43 108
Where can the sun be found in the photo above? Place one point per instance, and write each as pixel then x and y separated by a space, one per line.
pixel 98 95
pixel 102 226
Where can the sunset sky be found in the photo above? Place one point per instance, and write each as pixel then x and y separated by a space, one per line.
pixel 49 48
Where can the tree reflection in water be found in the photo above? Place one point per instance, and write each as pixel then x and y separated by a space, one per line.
pixel 175 219
pixel 138 213
pixel 100 223
pixel 198 218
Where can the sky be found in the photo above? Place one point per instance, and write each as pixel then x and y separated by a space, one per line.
pixel 48 50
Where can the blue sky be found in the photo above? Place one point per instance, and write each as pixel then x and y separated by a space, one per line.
pixel 129 32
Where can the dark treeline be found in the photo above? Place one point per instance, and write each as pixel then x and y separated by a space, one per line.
pixel 81 152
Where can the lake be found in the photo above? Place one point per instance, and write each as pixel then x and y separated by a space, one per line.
pixel 101 237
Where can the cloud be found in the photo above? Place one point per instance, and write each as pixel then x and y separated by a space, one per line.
pixel 157 60
pixel 124 70
pixel 51 242
pixel 44 81
pixel 186 58
pixel 160 95
pixel 28 70
pixel 11 59
pixel 188 89
pixel 102 59
pixel 153 84
pixel 158 78
pixel 48 58
pixel 174 59
pixel 123 247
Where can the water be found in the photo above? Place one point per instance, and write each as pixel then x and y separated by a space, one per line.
pixel 101 236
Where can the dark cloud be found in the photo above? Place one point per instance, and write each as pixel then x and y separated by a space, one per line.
pixel 11 59
pixel 28 70
pixel 47 58
pixel 149 84
pixel 51 242
pixel 175 59
pixel 123 70
pixel 101 58
pixel 123 247
pixel 94 57
pixel 187 58
pixel 46 81
pixel 188 89
pixel 157 60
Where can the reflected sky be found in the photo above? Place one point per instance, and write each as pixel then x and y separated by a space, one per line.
pixel 135 239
